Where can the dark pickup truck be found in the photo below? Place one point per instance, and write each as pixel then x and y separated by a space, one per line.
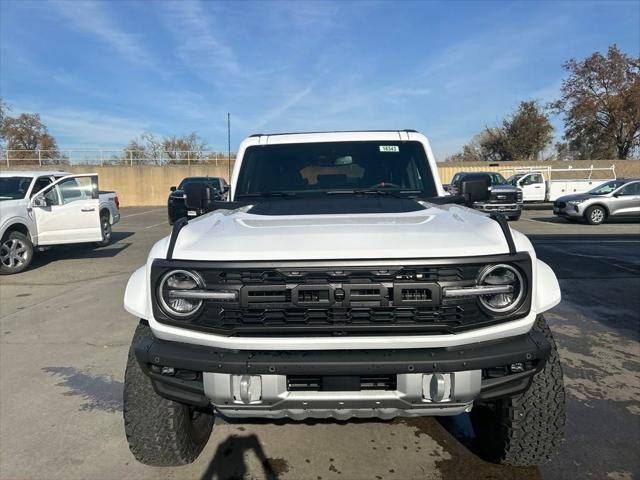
pixel 176 206
pixel 504 198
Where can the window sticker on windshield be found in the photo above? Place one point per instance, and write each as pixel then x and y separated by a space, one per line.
pixel 389 148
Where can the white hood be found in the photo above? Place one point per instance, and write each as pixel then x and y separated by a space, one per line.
pixel 436 232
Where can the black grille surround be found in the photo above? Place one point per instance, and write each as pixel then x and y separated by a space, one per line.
pixel 340 298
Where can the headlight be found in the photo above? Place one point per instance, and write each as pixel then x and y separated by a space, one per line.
pixel 505 276
pixel 575 202
pixel 171 293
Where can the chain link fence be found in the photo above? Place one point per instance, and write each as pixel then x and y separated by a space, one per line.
pixel 104 157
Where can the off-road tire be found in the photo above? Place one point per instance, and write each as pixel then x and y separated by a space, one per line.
pixel 595 215
pixel 526 429
pixel 160 432
pixel 105 228
pixel 23 248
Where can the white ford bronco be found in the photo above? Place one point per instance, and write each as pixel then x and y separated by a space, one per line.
pixel 339 281
pixel 39 209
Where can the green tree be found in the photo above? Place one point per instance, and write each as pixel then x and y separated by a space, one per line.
pixel 600 101
pixel 523 135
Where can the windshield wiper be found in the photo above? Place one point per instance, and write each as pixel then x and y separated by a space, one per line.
pixel 268 194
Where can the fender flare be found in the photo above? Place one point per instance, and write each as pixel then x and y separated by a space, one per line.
pixel 136 295
pixel 10 224
pixel 547 288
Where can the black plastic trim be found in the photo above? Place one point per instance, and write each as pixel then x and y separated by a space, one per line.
pixel 506 230
pixel 532 346
pixel 334 263
pixel 508 385
pixel 177 226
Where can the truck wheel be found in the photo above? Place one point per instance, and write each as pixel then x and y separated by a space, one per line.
pixel 105 226
pixel 595 215
pixel 514 218
pixel 526 429
pixel 16 253
pixel 160 432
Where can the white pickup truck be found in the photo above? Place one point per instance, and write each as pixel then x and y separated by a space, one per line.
pixel 40 208
pixel 542 184
pixel 339 281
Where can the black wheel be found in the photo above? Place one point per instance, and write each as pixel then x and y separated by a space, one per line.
pixel 159 431
pixel 105 226
pixel 595 215
pixel 16 253
pixel 514 218
pixel 528 428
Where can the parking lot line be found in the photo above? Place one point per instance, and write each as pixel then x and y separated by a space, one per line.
pixel 141 213
pixel 156 225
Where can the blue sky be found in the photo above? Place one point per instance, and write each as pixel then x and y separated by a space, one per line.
pixel 101 73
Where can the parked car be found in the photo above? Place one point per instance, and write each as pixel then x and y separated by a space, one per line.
pixel 614 199
pixel 541 184
pixel 339 281
pixel 176 207
pixel 39 209
pixel 505 198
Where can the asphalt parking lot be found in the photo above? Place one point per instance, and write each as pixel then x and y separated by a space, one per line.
pixel 65 336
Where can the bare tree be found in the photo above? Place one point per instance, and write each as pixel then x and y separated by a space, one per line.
pixel 149 148
pixel 601 105
pixel 28 138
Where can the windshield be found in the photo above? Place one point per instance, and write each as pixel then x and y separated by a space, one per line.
pixel 513 179
pixel 210 180
pixel 12 188
pixel 321 168
pixel 607 187
pixel 497 179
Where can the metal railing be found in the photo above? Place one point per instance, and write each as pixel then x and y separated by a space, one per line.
pixel 104 157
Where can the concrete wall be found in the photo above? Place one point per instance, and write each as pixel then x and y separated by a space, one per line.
pixel 148 185
pixel 140 186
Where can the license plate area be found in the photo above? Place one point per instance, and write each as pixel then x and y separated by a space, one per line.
pixel 341 383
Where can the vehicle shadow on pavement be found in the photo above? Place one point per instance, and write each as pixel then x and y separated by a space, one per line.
pixel 82 251
pixel 559 220
pixel 454 434
pixel 229 461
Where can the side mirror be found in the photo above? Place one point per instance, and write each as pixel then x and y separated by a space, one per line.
pixel 475 188
pixel 173 188
pixel 39 201
pixel 198 195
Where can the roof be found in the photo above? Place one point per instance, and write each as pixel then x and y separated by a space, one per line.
pixel 31 173
pixel 331 131
pixel 335 136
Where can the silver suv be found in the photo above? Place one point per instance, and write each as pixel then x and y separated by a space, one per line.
pixel 615 199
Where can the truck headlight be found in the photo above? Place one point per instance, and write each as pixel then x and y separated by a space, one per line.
pixel 179 281
pixel 505 276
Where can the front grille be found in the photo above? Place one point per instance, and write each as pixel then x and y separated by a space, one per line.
pixel 319 383
pixel 561 204
pixel 339 320
pixel 503 197
pixel 321 299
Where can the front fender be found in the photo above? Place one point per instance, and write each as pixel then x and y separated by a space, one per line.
pixel 136 295
pixel 547 289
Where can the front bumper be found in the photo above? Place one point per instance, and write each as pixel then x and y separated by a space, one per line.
pixel 569 211
pixel 436 381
